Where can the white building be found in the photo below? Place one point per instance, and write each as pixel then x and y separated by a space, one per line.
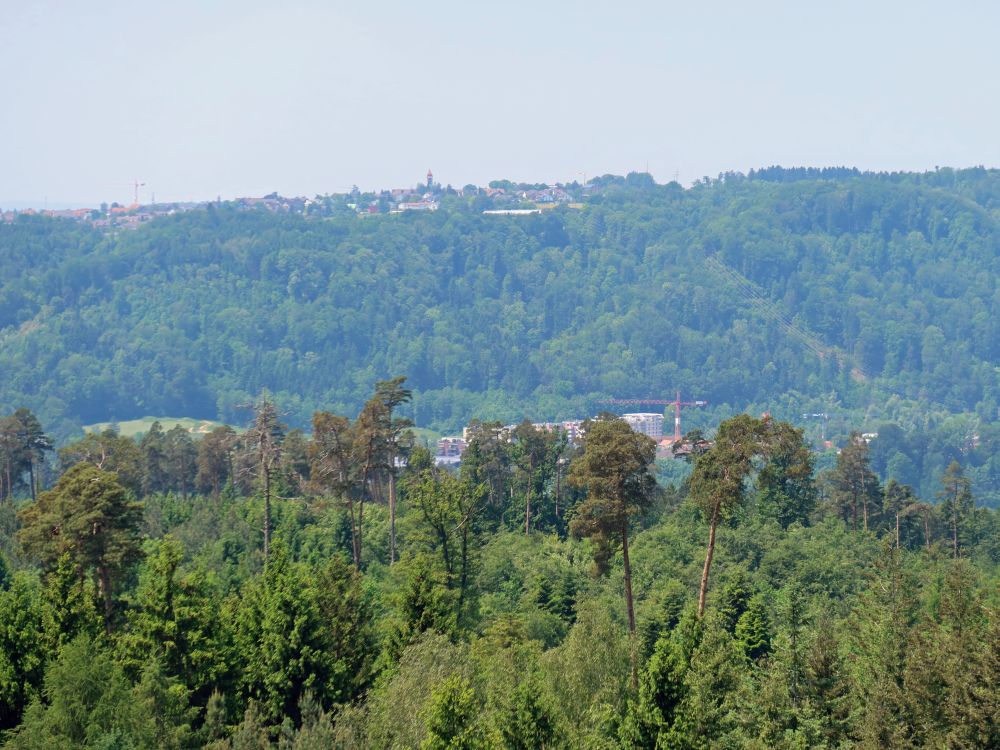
pixel 646 423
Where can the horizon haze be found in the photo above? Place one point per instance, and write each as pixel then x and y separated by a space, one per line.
pixel 235 99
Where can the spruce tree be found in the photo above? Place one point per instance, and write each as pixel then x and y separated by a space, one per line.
pixel 452 719
pixel 22 648
pixel 753 630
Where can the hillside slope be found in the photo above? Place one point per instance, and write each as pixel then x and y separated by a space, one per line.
pixel 790 290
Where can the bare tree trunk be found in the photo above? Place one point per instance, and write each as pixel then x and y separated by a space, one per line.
pixel 927 530
pixel 864 501
pixel 558 476
pixel 527 501
pixel 355 542
pixel 708 559
pixel 464 578
pixel 104 584
pixel 897 529
pixel 377 495
pixel 361 513
pixel 392 517
pixel 629 605
pixel 267 516
pixel 954 528
pixel 31 477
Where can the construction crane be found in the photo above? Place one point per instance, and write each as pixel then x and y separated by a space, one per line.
pixel 676 403
pixel 135 185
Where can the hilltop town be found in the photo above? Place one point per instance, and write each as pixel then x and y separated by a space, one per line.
pixel 501 197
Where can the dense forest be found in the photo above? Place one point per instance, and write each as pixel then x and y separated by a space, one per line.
pixel 872 298
pixel 272 588
pixel 308 578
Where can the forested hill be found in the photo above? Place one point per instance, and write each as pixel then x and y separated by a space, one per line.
pixel 788 290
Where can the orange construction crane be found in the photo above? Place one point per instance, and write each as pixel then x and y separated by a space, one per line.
pixel 135 185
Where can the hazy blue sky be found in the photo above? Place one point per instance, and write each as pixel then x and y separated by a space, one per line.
pixel 200 98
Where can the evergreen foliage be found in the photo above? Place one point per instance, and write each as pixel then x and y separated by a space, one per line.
pixel 472 633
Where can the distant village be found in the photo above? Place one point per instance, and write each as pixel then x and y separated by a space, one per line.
pixel 451 448
pixel 500 197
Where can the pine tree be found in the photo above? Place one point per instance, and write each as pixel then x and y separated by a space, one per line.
pixel 34 444
pixel 180 456
pixel 718 481
pixel 90 516
pixel 396 440
pixel 956 502
pixel 215 460
pixel 615 470
pixel 856 487
pixel 333 469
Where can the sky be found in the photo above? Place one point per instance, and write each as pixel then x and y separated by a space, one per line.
pixel 200 98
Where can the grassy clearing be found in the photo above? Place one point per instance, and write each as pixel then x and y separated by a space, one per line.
pixel 133 427
pixel 198 427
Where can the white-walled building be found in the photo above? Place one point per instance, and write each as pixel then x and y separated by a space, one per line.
pixel 646 423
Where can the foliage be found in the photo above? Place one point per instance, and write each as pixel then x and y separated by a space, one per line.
pixel 91 517
pixel 869 297
pixel 814 634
